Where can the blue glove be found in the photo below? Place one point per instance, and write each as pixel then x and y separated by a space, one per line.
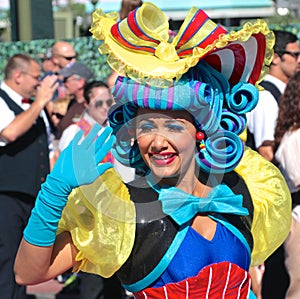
pixel 77 165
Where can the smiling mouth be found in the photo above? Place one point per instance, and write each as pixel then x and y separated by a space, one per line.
pixel 163 159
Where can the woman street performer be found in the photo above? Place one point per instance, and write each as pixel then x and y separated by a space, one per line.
pixel 205 207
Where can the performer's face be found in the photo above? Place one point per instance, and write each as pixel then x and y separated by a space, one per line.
pixel 166 140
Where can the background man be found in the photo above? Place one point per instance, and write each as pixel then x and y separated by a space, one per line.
pixel 24 157
pixel 262 119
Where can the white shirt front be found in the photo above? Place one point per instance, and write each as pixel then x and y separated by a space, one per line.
pixel 288 156
pixel 7 115
pixel 262 119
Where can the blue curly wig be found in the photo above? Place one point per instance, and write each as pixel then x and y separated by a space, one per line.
pixel 218 111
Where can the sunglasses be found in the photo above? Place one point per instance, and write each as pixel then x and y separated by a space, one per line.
pixel 294 54
pixel 58 115
pixel 100 103
pixel 69 58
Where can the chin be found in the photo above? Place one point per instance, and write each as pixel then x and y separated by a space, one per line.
pixel 164 174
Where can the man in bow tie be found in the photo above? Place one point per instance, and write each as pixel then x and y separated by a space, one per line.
pixel 24 156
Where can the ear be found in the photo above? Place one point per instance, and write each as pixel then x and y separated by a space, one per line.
pixel 276 59
pixel 54 59
pixel 81 82
pixel 18 76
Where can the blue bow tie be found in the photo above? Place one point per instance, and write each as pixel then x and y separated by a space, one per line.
pixel 183 207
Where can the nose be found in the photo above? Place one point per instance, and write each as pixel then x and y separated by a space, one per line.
pixel 159 142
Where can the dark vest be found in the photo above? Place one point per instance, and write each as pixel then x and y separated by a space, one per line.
pixel 24 163
pixel 156 231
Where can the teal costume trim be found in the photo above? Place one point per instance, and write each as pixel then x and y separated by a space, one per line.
pixel 162 265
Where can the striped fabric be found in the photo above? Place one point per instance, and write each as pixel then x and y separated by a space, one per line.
pixel 240 61
pixel 196 31
pixel 217 281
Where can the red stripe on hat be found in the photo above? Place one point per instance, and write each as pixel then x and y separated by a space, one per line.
pixel 239 62
pixel 239 55
pixel 196 22
pixel 214 35
pixel 214 60
pixel 123 41
pixel 135 28
pixel 260 56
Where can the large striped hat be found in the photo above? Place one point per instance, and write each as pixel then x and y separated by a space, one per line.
pixel 139 46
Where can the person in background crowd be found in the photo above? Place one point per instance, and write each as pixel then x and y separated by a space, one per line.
pixel 60 107
pixel 24 157
pixel 287 154
pixel 127 6
pixel 191 227
pixel 261 128
pixel 47 62
pixel 75 77
pixel 60 55
pixel 262 119
pixel 63 54
pixel 98 101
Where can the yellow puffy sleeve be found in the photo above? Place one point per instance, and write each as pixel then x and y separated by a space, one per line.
pixel 272 204
pixel 101 220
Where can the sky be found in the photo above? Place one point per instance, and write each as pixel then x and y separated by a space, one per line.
pixel 5 3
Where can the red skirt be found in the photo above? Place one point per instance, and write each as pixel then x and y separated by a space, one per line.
pixel 217 281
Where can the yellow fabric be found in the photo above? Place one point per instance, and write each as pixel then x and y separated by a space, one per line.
pixel 101 220
pixel 272 204
pixel 166 66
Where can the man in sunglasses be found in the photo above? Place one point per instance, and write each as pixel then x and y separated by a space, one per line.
pixel 261 127
pixel 75 76
pixel 261 120
pixel 63 54
pixel 60 55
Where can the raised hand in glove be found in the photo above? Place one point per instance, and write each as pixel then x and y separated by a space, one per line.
pixel 77 165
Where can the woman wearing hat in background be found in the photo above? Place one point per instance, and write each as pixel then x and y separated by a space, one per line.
pixel 200 216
